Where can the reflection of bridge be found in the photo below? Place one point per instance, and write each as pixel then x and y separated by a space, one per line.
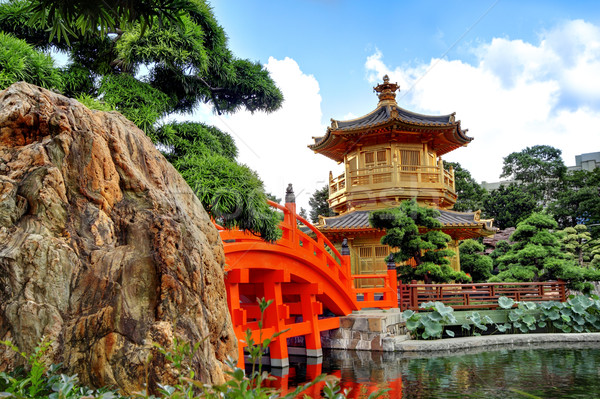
pixel 306 277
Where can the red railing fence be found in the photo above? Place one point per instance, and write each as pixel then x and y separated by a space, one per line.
pixel 479 295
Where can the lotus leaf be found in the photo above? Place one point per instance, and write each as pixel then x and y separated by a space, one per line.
pixel 407 314
pixel 552 314
pixel 432 328
pixel 578 319
pixel 412 325
pixel 443 309
pixel 435 316
pixel 505 302
pixel 524 328
pixel 529 320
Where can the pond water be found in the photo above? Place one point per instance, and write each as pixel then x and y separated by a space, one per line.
pixel 543 372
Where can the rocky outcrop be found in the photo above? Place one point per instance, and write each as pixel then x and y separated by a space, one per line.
pixel 104 249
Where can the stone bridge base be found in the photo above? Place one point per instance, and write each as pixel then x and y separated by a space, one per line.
pixel 371 330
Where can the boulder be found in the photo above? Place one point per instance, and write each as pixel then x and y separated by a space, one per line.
pixel 104 248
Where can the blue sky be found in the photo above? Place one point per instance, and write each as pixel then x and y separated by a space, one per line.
pixel 517 73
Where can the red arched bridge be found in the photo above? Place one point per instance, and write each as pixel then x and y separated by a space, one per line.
pixel 308 280
pixel 310 285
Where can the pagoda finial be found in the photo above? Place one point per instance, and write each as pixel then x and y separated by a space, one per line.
pixel 386 90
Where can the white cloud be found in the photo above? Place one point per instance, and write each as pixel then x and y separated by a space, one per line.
pixel 275 144
pixel 517 95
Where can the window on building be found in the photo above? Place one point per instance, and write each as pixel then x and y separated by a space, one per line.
pixel 376 158
pixel 410 159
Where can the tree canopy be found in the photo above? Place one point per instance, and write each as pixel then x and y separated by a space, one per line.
pixel 508 205
pixel 473 262
pixel 319 205
pixel 536 255
pixel 578 243
pixel 428 249
pixel 538 167
pixel 149 59
pixel 577 200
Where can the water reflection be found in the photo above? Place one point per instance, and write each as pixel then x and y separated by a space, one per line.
pixel 545 371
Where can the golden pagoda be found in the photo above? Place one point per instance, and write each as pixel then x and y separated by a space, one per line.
pixel 390 155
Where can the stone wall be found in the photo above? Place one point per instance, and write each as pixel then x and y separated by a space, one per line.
pixel 374 330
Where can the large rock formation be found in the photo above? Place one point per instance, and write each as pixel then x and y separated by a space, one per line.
pixel 104 249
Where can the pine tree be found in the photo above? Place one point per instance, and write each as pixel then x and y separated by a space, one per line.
pixel 428 250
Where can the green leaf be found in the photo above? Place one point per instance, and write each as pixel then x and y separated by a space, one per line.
pixel 529 320
pixel 505 302
pixel 432 328
pixel 412 325
pixel 435 316
pixel 407 314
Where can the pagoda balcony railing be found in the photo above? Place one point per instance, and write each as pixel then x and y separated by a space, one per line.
pixel 396 176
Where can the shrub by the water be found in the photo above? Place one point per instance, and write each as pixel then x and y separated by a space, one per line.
pixel 578 314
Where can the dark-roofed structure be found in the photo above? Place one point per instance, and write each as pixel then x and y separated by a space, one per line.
pixel 391 155
pixel 459 225
pixel 443 132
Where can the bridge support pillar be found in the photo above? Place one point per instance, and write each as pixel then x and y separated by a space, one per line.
pixel 275 317
pixel 310 311
pixel 238 315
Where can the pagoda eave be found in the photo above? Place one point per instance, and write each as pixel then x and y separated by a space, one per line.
pixel 337 142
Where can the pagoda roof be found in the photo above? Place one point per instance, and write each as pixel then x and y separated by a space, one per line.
pixel 359 221
pixel 385 113
pixel 443 132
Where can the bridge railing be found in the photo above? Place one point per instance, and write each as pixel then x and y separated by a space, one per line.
pixel 479 295
pixel 384 296
pixel 338 266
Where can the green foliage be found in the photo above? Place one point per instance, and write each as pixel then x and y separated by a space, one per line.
pixel 430 324
pixel 470 193
pixel 319 205
pixel 93 103
pixel 502 247
pixel 538 168
pixel 428 249
pixel 78 81
pixel 577 200
pixel 509 205
pixel 579 314
pixel 232 193
pixel 187 138
pixel 37 380
pixel 19 61
pixel 473 262
pixel 536 255
pixel 478 323
pixel 68 19
pixel 137 101
pixel 578 243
